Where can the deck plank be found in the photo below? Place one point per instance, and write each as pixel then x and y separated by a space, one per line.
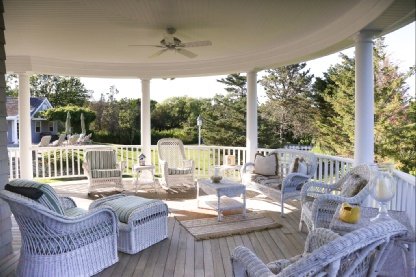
pixel 190 256
pixel 180 255
pixel 161 261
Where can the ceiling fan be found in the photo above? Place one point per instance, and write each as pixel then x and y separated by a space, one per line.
pixel 170 42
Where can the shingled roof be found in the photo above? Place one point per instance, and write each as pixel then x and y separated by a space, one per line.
pixel 12 105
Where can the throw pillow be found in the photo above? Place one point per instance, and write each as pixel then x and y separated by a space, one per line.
pixel 353 185
pixel 266 165
pixel 48 199
pixel 299 166
pixel 32 193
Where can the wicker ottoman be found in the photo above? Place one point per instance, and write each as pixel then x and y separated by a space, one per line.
pixel 142 222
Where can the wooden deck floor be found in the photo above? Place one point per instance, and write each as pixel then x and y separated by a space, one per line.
pixel 181 255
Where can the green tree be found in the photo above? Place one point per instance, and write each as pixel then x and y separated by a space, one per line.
pixel 225 118
pixel 289 111
pixel 394 111
pixel 60 114
pixel 12 85
pixel 60 90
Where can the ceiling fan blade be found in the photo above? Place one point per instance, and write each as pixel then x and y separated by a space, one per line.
pixel 186 53
pixel 197 43
pixel 147 45
pixel 158 53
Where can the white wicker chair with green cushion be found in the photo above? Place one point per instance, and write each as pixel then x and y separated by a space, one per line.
pixel 174 167
pixel 58 238
pixel 103 171
pixel 320 200
pixel 359 253
pixel 276 175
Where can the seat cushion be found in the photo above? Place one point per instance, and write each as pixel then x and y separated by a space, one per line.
pixel 268 181
pixel 179 171
pixel 125 206
pixel 73 212
pixel 48 199
pixel 105 173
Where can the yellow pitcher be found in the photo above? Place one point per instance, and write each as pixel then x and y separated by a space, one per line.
pixel 348 213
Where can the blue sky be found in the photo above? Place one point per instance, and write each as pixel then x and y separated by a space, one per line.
pixel 400 47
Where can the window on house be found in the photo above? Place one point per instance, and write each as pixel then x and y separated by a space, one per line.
pixel 50 126
pixel 37 126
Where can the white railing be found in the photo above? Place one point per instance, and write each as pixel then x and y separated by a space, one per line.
pixel 66 162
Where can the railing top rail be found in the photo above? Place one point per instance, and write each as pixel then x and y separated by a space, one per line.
pixel 405 176
pixel 340 159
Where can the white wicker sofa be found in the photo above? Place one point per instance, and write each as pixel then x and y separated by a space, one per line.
pixel 58 238
pixel 359 253
pixel 284 184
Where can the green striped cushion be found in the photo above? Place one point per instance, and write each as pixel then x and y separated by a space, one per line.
pixel 49 198
pixel 101 159
pixel 73 212
pixel 179 171
pixel 125 206
pixel 105 173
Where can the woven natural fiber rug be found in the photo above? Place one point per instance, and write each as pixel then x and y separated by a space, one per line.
pixel 209 228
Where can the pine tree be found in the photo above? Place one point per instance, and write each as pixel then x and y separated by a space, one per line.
pixel 394 129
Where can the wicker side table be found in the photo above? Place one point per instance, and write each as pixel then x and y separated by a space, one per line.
pixel 405 245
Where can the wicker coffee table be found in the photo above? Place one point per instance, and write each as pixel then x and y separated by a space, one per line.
pixel 224 191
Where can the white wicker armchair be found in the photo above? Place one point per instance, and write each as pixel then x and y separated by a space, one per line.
pixel 320 200
pixel 360 253
pixel 64 240
pixel 102 169
pixel 174 167
pixel 286 185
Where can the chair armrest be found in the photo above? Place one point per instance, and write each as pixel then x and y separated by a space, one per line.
pixel 246 263
pixel 188 164
pixel 121 165
pixel 163 165
pixel 247 168
pixel 291 181
pixel 314 189
pixel 86 167
pixel 319 237
pixel 67 202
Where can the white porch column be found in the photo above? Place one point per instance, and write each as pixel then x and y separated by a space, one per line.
pixel 251 128
pixel 145 121
pixel 364 99
pixel 25 128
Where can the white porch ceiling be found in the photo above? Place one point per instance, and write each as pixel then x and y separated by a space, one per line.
pixel 91 37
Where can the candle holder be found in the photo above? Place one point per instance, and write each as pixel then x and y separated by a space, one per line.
pixel 382 188
pixel 216 175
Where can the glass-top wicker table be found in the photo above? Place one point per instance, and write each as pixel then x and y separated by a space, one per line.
pixel 406 243
pixel 224 191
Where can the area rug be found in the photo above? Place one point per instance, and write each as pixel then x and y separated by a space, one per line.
pixel 209 228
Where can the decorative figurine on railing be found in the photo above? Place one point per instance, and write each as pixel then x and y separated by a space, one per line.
pixel 142 159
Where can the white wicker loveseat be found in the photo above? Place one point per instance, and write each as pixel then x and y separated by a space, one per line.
pixel 59 239
pixel 285 184
pixel 103 171
pixel 174 167
pixel 320 200
pixel 359 253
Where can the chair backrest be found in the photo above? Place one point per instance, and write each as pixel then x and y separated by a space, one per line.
pixel 73 139
pixel 349 255
pixel 44 141
pixel 172 151
pixel 101 158
pixel 287 156
pixel 60 140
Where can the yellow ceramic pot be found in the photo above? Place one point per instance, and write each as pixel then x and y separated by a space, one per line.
pixel 348 213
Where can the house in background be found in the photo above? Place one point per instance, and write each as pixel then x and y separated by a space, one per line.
pixel 40 126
